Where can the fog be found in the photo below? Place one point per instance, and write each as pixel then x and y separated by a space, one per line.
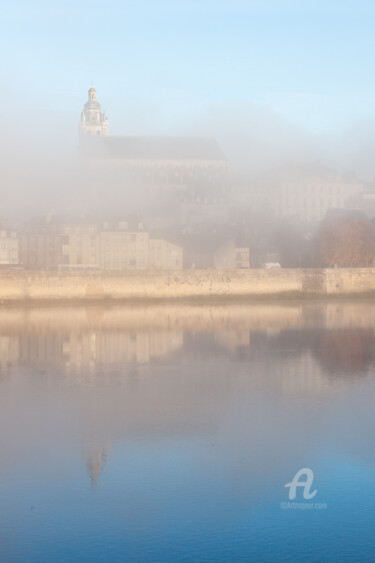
pixel 39 150
pixel 284 109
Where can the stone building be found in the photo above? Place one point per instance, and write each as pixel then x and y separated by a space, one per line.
pixel 133 169
pixel 298 192
pixel 41 250
pixel 242 258
pixel 309 192
pixel 80 245
pixel 123 248
pixel 164 255
pixel 211 249
pixel 9 248
pixel 127 245
pixel 84 243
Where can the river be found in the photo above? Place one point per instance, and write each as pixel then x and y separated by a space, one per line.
pixel 169 432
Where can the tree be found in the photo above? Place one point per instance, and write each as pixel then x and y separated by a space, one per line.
pixel 346 241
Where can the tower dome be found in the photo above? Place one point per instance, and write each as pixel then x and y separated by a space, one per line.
pixel 92 94
pixel 93 119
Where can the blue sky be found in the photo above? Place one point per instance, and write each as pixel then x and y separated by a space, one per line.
pixel 160 65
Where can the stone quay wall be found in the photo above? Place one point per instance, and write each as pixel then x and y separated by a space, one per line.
pixel 22 285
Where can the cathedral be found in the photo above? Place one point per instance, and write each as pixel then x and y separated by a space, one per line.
pixel 171 167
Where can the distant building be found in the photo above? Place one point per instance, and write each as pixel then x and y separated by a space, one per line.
pixel 164 255
pixel 203 208
pixel 9 248
pixel 218 250
pixel 309 192
pixel 242 258
pixel 137 167
pixel 301 192
pixel 84 243
pixel 41 244
pixel 127 248
pixel 80 246
pixel 119 246
pixel 123 247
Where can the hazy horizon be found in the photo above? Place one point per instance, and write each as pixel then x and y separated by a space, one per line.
pixel 252 75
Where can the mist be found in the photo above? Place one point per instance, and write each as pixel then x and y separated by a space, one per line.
pixel 277 115
pixel 40 154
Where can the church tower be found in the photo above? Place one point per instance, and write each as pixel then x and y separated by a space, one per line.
pixel 93 119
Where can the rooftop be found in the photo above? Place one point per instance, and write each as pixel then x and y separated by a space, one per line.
pixel 153 148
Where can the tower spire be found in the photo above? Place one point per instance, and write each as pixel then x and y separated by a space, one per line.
pixel 93 119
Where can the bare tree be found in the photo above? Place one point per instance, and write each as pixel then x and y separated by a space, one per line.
pixel 346 241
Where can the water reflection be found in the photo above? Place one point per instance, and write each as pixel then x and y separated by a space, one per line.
pixel 96 456
pixel 347 351
pixel 183 420
pixel 82 341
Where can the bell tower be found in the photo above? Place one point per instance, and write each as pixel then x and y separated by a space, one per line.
pixel 93 119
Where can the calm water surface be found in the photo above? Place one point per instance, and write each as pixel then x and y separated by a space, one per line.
pixel 169 433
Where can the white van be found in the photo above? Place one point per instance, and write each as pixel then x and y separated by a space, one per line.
pixel 272 266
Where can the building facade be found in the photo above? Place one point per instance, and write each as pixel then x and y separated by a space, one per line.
pixel 83 244
pixel 304 193
pixel 9 248
pixel 133 169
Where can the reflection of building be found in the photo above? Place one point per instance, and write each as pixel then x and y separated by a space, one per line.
pixel 9 352
pixel 95 342
pixel 346 352
pixel 89 351
pixel 233 340
pixel 300 376
pixel 135 347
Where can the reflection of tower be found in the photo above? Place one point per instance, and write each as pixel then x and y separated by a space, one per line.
pixel 9 352
pixel 93 119
pixel 96 457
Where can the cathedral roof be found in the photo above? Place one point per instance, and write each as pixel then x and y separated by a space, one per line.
pixel 154 148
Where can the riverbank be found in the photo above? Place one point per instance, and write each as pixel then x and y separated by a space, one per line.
pixel 56 286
